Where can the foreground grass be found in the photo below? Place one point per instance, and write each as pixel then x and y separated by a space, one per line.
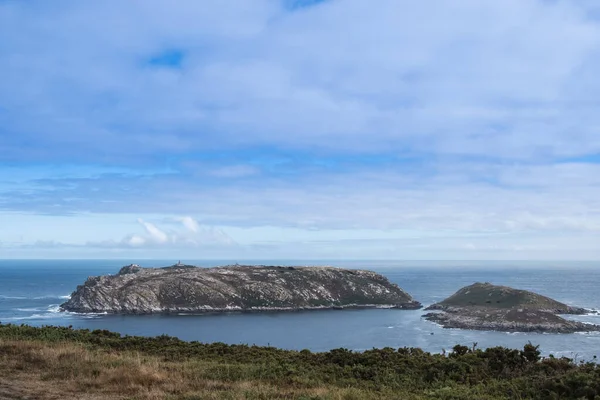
pixel 63 363
pixel 66 370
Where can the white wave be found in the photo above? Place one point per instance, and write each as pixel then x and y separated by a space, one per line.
pixel 52 311
pixel 588 334
pixel 54 308
pixel 51 296
pixel 31 309
pixel 31 317
pixel 90 315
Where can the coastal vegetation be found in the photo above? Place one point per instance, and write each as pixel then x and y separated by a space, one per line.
pixel 66 363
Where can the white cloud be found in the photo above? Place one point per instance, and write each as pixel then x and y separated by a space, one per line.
pixel 194 235
pixel 156 235
pixel 190 223
pixel 135 240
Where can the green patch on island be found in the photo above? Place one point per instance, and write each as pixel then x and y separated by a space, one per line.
pixel 495 296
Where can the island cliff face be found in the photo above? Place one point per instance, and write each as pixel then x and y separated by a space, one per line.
pixel 184 288
pixel 483 306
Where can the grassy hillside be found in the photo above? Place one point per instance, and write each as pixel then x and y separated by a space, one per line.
pixel 63 363
pixel 488 295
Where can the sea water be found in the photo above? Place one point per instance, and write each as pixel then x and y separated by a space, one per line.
pixel 32 290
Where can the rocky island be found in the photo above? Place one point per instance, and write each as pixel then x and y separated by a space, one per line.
pixel 189 289
pixel 483 306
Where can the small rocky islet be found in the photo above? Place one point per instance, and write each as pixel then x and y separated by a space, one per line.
pixel 189 289
pixel 483 306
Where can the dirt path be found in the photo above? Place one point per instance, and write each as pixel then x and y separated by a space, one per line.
pixel 10 390
pixel 32 388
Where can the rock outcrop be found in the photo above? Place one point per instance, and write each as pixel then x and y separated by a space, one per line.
pixel 483 306
pixel 189 289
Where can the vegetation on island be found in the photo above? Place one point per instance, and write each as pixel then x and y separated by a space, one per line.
pixel 65 363
pixel 488 295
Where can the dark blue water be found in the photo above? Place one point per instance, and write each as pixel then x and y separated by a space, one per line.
pixel 31 291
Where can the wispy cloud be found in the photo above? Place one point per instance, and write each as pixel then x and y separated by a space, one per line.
pixel 471 196
pixel 155 235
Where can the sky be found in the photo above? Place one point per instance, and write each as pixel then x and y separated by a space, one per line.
pixel 300 129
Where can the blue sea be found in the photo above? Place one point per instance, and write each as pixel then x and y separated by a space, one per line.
pixel 32 290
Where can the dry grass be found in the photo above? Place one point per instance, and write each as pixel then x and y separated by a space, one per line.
pixel 35 370
pixel 63 363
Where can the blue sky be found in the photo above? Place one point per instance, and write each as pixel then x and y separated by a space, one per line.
pixel 300 129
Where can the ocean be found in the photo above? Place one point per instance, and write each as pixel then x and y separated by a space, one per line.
pixel 32 290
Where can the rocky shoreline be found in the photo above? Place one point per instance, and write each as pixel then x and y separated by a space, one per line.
pixel 508 321
pixel 250 310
